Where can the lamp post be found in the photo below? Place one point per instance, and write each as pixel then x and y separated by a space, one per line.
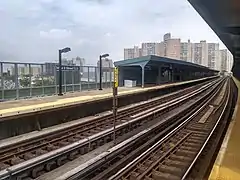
pixel 100 69
pixel 64 50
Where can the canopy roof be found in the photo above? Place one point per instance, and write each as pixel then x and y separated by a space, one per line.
pixel 155 60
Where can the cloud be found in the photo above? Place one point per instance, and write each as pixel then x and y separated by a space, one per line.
pixel 56 34
pixel 92 27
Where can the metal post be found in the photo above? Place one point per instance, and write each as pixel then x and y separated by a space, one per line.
pixel 42 77
pixel 115 103
pixel 55 79
pixel 142 76
pixel 73 80
pixel 60 74
pixel 172 75
pixel 88 77
pixel 115 92
pixel 110 76
pixel 159 75
pixel 2 79
pixel 100 72
pixel 30 79
pixel 80 85
pixel 65 80
pixel 16 80
pixel 96 79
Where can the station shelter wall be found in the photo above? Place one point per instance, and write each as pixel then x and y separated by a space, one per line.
pixel 133 73
pixel 153 76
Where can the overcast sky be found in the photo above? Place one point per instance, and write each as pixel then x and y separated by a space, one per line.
pixel 33 30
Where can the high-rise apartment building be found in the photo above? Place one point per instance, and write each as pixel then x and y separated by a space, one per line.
pixel 130 53
pixel 166 37
pixel 27 70
pixel 226 59
pixel 173 48
pixel 204 46
pixel 186 51
pixel 222 66
pixel 200 53
pixel 213 55
pixel 79 61
pixel 197 53
pixel 159 49
pixel 106 63
pixel 230 61
pixel 148 49
pixel 68 62
pixel 50 68
pixel 137 51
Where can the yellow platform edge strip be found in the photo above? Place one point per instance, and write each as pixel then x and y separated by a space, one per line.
pixel 219 171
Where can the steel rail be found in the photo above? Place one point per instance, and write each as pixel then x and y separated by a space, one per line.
pixel 208 138
pixel 54 154
pixel 98 160
pixel 167 137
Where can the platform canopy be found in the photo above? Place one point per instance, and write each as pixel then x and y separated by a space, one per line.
pixel 157 70
pixel 223 16
pixel 155 60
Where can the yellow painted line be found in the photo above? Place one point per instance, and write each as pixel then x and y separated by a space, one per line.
pixel 59 103
pixel 223 173
pixel 216 172
pixel 69 101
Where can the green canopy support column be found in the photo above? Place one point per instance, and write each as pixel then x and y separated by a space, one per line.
pixel 159 77
pixel 143 74
pixel 172 73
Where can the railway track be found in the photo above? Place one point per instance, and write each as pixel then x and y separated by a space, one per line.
pixel 27 161
pixel 107 163
pixel 174 156
pixel 171 158
pixel 12 154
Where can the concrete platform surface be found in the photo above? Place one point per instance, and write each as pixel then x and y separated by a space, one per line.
pixel 227 164
pixel 11 108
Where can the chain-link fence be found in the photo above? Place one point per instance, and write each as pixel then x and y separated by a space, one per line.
pixel 23 80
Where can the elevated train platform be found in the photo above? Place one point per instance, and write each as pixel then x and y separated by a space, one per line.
pixel 18 107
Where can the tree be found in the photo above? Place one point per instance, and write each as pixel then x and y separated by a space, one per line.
pixel 24 81
pixel 44 81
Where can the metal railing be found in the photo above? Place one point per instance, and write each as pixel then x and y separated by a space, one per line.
pixel 25 80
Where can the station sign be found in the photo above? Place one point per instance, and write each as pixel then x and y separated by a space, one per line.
pixel 115 77
pixel 69 68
